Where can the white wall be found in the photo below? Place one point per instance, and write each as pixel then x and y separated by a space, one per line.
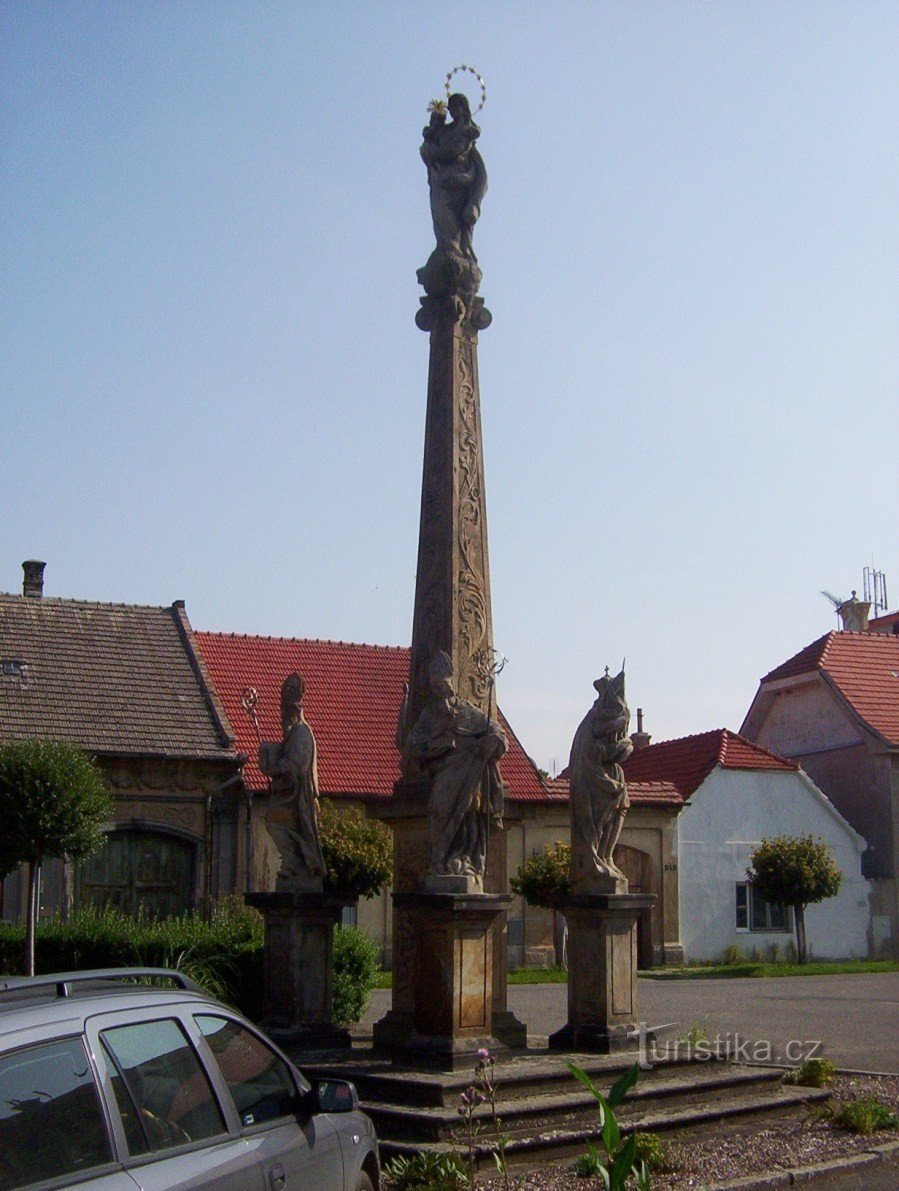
pixel 726 819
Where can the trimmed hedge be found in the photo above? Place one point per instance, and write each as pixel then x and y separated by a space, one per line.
pixel 225 957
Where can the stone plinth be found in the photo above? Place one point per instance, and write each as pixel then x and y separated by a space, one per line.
pixel 297 979
pixel 450 1010
pixel 602 972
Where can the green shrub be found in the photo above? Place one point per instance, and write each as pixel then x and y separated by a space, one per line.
pixel 865 1114
pixel 356 969
pixel 732 955
pixel 813 1073
pixel 427 1172
pixel 589 1165
pixel 543 876
pixel 653 1151
pixel 358 852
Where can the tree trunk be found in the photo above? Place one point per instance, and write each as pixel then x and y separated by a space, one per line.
pixel 801 951
pixel 31 914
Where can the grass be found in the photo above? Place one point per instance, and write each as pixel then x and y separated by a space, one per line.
pixel 706 972
pixel 813 968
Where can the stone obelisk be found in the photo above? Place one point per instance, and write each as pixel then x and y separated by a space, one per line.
pixel 450 900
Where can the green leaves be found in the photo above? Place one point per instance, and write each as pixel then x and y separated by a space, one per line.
pixel 358 852
pixel 53 801
pixel 623 1085
pixel 543 876
pixel 794 870
pixel 621 1161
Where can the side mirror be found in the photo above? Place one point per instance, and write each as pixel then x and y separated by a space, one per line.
pixel 335 1095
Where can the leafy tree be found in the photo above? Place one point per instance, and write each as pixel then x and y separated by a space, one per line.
pixel 358 851
pixel 53 802
pixel 543 876
pixel 795 871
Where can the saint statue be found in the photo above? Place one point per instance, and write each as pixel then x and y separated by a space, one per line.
pixel 292 767
pixel 598 791
pixel 457 747
pixel 458 182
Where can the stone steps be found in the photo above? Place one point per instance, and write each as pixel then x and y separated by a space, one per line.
pixel 693 1122
pixel 546 1114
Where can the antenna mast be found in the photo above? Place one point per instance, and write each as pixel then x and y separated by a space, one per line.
pixel 874 585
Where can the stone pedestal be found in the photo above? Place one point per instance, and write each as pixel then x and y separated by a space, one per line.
pixel 406 815
pixel 297 980
pixel 450 1011
pixel 602 972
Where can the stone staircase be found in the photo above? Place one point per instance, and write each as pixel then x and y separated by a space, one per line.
pixel 547 1115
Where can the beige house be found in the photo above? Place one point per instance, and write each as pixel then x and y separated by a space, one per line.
pixel 126 684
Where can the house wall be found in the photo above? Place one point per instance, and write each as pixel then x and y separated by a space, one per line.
pixel 648 847
pixel 857 773
pixel 727 817
pixel 163 799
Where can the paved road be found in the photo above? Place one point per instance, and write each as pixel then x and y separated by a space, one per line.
pixel 855 1017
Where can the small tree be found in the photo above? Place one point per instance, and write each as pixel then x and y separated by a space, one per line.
pixel 795 871
pixel 53 802
pixel 544 875
pixel 358 852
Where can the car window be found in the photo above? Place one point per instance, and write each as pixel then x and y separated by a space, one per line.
pixel 51 1119
pixel 260 1081
pixel 156 1075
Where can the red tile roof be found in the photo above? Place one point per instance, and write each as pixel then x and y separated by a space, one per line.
pixel 353 697
pixel 863 667
pixel 687 762
pixel 641 793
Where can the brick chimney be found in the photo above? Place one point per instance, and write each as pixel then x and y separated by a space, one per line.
pixel 640 739
pixel 33 583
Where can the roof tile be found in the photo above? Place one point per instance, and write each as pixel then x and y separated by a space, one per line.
pixel 864 667
pixel 352 702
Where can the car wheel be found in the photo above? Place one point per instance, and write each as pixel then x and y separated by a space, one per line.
pixel 364 1183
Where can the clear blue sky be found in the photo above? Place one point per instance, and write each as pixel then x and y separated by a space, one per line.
pixel 213 389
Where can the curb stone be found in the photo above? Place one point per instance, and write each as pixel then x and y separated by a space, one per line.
pixel 876 1156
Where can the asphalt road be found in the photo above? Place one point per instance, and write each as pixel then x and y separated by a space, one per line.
pixel 855 1018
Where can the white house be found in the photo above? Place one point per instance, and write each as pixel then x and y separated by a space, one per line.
pixel 735 794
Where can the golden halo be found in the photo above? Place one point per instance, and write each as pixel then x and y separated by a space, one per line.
pixel 471 70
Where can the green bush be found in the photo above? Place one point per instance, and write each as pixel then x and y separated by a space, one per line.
pixel 543 876
pixel 813 1073
pixel 358 852
pixel 653 1151
pixel 427 1172
pixel 225 957
pixel 865 1114
pixel 356 969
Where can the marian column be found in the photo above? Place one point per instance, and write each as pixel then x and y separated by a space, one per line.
pixel 449 952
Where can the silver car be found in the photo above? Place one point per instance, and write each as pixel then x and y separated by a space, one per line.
pixel 110 1081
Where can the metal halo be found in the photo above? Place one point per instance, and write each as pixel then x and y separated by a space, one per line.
pixel 471 70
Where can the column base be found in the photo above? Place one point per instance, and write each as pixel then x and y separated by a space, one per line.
pixel 451 1017
pixel 602 972
pixel 297 977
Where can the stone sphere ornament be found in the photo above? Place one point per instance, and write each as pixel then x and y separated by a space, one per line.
pixel 471 70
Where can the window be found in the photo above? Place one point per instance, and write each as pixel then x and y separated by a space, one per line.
pixel 51 1122
pixel 754 913
pixel 260 1082
pixel 164 1095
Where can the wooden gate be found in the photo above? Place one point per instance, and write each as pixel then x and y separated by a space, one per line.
pixel 144 871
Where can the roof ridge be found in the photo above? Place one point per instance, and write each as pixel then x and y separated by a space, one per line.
pixel 305 640
pixel 42 601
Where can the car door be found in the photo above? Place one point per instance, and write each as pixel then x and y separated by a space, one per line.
pixel 54 1130
pixel 295 1150
pixel 173 1131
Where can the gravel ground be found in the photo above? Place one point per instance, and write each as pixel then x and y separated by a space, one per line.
pixel 784 1145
